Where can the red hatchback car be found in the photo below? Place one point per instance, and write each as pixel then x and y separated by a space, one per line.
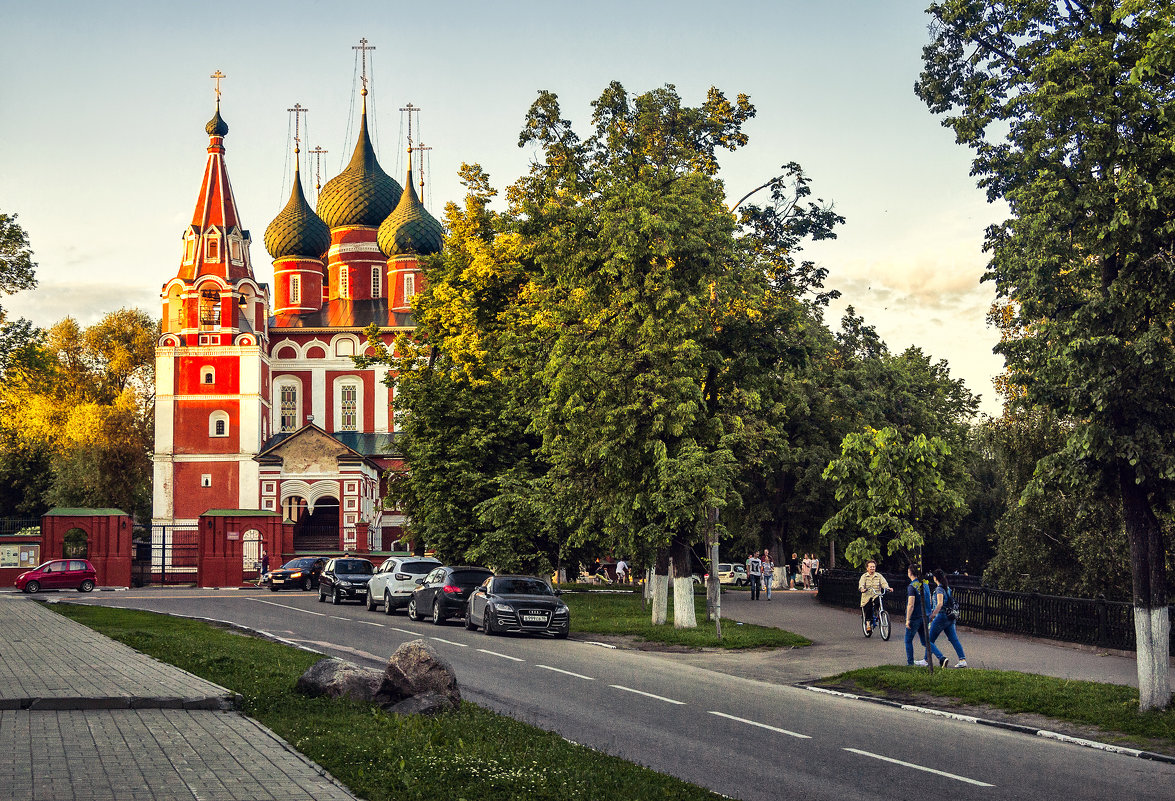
pixel 59 574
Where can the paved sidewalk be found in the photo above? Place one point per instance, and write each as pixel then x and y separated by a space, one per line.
pixel 84 717
pixel 838 645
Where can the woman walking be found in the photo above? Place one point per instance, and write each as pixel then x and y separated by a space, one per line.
pixel 942 621
pixel 806 571
pixel 768 571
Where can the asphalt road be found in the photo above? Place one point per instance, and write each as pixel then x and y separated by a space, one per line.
pixel 743 738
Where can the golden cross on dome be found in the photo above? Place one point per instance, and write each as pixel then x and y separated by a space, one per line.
pixel 216 76
pixel 298 110
pixel 363 47
pixel 422 147
pixel 318 153
pixel 410 109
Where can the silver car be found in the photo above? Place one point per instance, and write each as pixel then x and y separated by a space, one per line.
pixel 395 579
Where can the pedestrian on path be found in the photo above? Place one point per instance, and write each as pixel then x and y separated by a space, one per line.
pixel 768 571
pixel 916 600
pixel 264 568
pixel 755 573
pixel 806 571
pixel 793 570
pixel 871 585
pixel 943 620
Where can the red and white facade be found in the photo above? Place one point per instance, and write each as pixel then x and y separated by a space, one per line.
pixel 261 411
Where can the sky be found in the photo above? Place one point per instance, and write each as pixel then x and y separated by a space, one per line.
pixel 103 107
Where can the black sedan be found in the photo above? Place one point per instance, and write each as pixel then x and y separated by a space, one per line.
pixel 444 591
pixel 518 603
pixel 301 574
pixel 345 579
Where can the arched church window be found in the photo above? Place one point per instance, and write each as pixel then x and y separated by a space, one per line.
pixel 189 248
pixel 376 281
pixel 212 247
pixel 208 375
pixel 209 308
pixel 288 405
pixel 234 249
pixel 409 287
pixel 344 282
pixel 218 424
pixel 295 289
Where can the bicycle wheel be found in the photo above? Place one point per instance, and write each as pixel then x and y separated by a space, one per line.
pixel 865 629
pixel 884 625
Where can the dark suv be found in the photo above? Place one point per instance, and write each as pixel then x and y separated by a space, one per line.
pixel 444 592
pixel 345 579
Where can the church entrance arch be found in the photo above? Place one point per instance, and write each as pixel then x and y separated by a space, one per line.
pixel 251 553
pixel 313 508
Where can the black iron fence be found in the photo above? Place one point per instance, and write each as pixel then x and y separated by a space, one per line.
pixel 168 557
pixel 16 525
pixel 1106 624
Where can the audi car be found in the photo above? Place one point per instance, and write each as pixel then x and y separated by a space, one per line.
pixel 519 604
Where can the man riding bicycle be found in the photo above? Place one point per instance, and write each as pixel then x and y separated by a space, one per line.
pixel 872 585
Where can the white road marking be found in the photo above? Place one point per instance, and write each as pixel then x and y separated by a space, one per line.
pixel 286 606
pixel 336 617
pixel 601 644
pixel 450 642
pixel 565 672
pixel 371 623
pixel 920 767
pixel 402 631
pixel 504 656
pixel 647 695
pixel 760 725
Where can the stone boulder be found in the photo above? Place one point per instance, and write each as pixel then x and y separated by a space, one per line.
pixel 337 678
pixel 427 704
pixel 416 670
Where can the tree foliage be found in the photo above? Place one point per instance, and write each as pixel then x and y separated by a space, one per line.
pixel 893 491
pixel 1068 107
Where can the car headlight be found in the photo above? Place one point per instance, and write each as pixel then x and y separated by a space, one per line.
pixel 296 575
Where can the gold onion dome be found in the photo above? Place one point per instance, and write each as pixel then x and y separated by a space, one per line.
pixel 216 126
pixel 410 228
pixel 297 230
pixel 362 194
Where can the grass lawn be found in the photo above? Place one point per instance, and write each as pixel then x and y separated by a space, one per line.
pixel 626 613
pixel 468 754
pixel 1110 707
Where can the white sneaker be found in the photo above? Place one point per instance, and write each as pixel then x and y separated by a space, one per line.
pixel 961 663
pixel 920 662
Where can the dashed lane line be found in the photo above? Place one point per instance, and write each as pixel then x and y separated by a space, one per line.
pixel 287 606
pixel 371 623
pixel 647 695
pixel 403 631
pixel 449 642
pixel 954 776
pixel 565 672
pixel 761 725
pixel 336 617
pixel 504 656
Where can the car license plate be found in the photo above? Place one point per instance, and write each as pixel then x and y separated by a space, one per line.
pixel 534 618
pixel 278 581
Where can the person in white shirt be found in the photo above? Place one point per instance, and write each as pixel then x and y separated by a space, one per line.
pixel 755 573
pixel 622 571
pixel 768 571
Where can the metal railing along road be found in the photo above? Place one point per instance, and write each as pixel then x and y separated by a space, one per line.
pixel 1092 621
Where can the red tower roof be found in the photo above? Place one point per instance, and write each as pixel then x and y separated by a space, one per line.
pixel 210 248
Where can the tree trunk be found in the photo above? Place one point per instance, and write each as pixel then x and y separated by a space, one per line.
pixel 684 614
pixel 661 587
pixel 1152 625
pixel 713 585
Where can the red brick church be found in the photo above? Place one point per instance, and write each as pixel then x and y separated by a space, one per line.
pixel 259 405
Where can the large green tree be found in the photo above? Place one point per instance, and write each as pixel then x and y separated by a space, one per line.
pixel 1069 108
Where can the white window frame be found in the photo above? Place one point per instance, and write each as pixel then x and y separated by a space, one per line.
pixel 409 286
pixel 296 289
pixel 219 416
pixel 235 250
pixel 279 387
pixel 344 282
pixel 212 246
pixel 206 372
pixel 341 385
pixel 376 281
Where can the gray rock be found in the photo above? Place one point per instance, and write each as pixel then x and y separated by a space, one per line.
pixel 416 669
pixel 426 704
pixel 337 678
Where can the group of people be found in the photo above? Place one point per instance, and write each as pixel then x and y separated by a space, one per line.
pixel 761 572
pixel 938 604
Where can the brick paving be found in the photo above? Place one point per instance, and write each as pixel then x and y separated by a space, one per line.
pixel 83 718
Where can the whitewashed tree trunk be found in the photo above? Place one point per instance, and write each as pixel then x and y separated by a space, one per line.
pixel 1152 631
pixel 684 614
pixel 660 599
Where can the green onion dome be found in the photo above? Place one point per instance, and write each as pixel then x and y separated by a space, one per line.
pixel 410 228
pixel 216 126
pixel 297 231
pixel 362 194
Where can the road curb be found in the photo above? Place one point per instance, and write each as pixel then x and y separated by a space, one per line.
pixel 998 724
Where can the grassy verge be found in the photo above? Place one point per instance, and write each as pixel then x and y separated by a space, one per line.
pixel 625 613
pixel 468 754
pixel 1109 707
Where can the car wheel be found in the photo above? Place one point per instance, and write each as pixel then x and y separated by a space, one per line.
pixel 487 623
pixel 437 617
pixel 412 611
pixel 387 602
pixel 321 597
pixel 370 603
pixel 561 634
pixel 334 597
pixel 306 584
pixel 469 624
pixel 272 588
pixel 86 586
pixel 32 587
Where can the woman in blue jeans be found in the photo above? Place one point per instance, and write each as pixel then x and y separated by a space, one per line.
pixel 940 621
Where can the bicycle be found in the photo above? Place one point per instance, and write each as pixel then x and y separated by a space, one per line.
pixel 880 617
